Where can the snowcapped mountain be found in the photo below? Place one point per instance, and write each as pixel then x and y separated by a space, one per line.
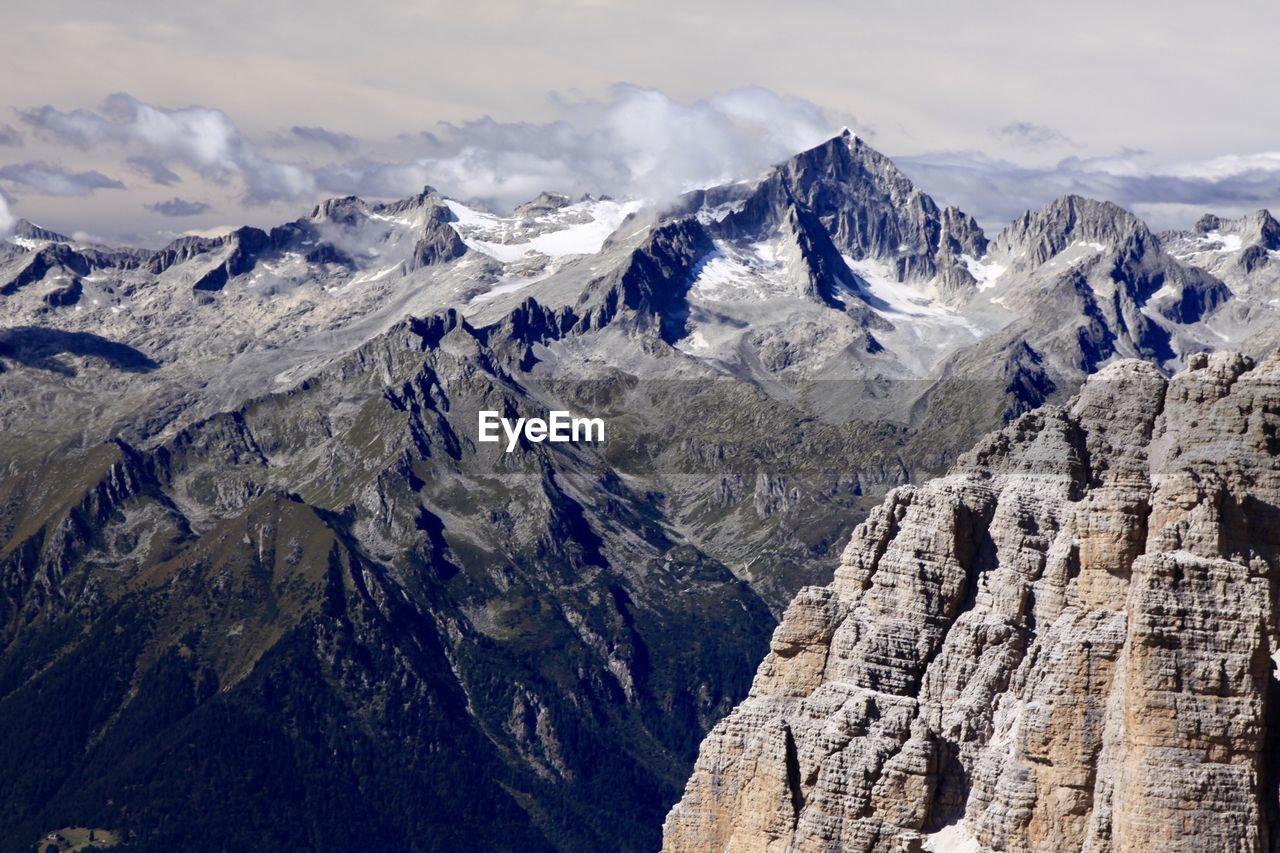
pixel 255 458
pixel 831 265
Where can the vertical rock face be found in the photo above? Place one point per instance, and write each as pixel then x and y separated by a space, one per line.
pixel 1064 644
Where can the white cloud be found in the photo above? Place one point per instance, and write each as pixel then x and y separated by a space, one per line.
pixel 637 142
pixel 634 141
pixel 1229 166
pixel 6 217
pixel 1166 194
pixel 54 180
pixel 203 139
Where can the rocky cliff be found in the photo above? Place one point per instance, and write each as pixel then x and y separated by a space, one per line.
pixel 1064 644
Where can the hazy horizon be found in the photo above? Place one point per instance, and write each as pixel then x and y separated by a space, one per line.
pixel 168 119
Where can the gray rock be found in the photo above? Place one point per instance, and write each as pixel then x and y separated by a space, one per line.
pixel 1063 644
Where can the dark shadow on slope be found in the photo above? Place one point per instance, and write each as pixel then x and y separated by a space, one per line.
pixel 35 346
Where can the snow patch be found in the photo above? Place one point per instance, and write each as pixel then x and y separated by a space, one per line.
pixel 697 342
pixel 586 238
pixel 708 215
pixel 756 273
pixel 713 335
pixel 1216 241
pixel 397 220
pixel 578 229
pixel 984 273
pixel 507 284
pixel 1226 339
pixel 373 276
pixel 894 300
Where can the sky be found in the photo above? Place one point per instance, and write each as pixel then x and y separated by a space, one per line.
pixel 136 123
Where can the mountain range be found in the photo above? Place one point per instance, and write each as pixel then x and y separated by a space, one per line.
pixel 263 586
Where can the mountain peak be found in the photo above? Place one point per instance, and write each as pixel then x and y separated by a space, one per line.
pixel 1069 219
pixel 347 210
pixel 429 196
pixel 29 230
pixel 873 210
pixel 546 202
pixel 1259 228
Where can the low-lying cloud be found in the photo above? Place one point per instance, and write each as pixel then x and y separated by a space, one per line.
pixel 632 142
pixel 154 171
pixel 637 142
pixel 341 142
pixel 180 207
pixel 49 179
pixel 1167 195
pixel 1031 136
pixel 202 139
pixel 6 218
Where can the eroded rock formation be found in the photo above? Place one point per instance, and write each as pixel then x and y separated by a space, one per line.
pixel 1064 644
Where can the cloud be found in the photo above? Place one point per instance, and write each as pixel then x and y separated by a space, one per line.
pixel 154 171
pixel 179 207
pixel 340 142
pixel 631 142
pixel 1230 167
pixel 1031 136
pixel 1167 195
pixel 9 136
pixel 47 179
pixel 203 139
pixel 636 142
pixel 6 217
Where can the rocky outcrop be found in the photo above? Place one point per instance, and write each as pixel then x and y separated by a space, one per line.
pixel 1131 265
pixel 55 259
pixel 648 290
pixel 545 203
pixel 869 208
pixel 1035 237
pixel 438 243
pixel 1064 644
pixel 244 246
pixel 31 231
pixel 1257 229
pixel 349 211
